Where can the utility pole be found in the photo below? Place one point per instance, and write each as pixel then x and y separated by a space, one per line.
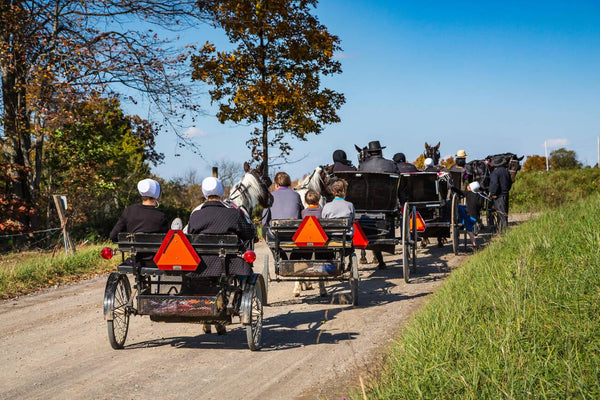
pixel 546 151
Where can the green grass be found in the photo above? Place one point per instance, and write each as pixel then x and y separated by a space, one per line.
pixel 25 272
pixel 535 191
pixel 520 320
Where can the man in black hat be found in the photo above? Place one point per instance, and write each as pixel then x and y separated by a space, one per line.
pixel 341 163
pixel 375 161
pixel 500 184
pixel 402 165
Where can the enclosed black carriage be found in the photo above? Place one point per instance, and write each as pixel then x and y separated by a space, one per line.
pixel 313 250
pixel 375 199
pixel 428 212
pixel 213 296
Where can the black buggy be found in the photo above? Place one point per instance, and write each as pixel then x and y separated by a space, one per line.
pixel 313 250
pixel 157 289
pixel 428 211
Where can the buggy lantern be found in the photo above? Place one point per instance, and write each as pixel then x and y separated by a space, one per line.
pixel 107 253
pixel 249 256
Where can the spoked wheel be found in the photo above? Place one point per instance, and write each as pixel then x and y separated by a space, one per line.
pixel 354 280
pixel 252 307
pixel 266 277
pixel 454 221
pixel 117 296
pixel 409 246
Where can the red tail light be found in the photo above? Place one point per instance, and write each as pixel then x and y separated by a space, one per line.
pixel 107 253
pixel 249 256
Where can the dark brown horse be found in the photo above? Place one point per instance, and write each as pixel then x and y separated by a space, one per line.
pixel 432 152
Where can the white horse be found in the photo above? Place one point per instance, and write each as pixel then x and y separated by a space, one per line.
pixel 316 181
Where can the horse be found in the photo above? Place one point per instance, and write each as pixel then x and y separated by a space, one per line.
pixel 510 160
pixel 432 152
pixel 316 181
pixel 479 170
pixel 362 154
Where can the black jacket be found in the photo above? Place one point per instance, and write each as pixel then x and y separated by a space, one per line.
pixel 500 182
pixel 474 202
pixel 404 167
pixel 378 164
pixel 140 218
pixel 216 218
pixel 341 167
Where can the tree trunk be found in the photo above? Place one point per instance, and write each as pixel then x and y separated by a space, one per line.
pixel 265 145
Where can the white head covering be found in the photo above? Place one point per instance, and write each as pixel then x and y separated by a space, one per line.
pixel 149 188
pixel 474 186
pixel 212 186
pixel 428 162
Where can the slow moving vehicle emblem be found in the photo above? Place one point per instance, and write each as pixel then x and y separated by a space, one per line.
pixel 176 253
pixel 310 233
pixel 359 240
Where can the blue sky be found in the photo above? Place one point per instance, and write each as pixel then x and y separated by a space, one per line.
pixel 487 78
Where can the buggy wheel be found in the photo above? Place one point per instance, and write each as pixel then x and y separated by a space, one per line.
pixel 252 305
pixel 454 228
pixel 117 296
pixel 266 277
pixel 354 280
pixel 406 246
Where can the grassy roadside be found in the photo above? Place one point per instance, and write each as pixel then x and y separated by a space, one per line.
pixel 22 273
pixel 519 320
pixel 541 190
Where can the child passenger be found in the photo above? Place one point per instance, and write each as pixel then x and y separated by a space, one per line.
pixel 338 207
pixel 469 214
pixel 312 198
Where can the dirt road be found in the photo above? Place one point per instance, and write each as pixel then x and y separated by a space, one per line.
pixel 54 344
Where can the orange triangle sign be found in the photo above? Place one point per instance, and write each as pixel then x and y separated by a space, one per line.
pixel 176 253
pixel 359 240
pixel 420 223
pixel 310 233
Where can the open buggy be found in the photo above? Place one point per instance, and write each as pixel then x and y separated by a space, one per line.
pixel 163 264
pixel 312 249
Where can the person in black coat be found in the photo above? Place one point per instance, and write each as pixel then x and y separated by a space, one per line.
pixel 341 163
pixel 402 165
pixel 500 184
pixel 145 216
pixel 375 161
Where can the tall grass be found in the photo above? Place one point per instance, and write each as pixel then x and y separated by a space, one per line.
pixel 41 270
pixel 535 191
pixel 520 320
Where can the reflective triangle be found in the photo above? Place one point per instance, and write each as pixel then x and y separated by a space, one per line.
pixel 310 233
pixel 359 240
pixel 176 253
pixel 420 223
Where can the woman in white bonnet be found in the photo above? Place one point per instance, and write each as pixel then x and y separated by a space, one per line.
pixel 145 216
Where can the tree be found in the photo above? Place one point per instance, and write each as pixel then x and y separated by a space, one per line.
pixel 563 159
pixel 534 163
pixel 97 160
pixel 272 78
pixel 62 49
pixel 448 162
pixel 420 162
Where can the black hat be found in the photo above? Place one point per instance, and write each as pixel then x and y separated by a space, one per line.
pixel 399 157
pixel 498 161
pixel 339 155
pixel 375 146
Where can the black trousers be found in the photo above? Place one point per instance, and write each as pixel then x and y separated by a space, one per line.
pixel 501 206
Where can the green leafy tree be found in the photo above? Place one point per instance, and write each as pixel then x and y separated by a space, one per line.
pixel 563 159
pixel 534 163
pixel 97 160
pixel 272 78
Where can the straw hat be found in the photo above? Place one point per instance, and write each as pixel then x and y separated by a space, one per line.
pixel 461 154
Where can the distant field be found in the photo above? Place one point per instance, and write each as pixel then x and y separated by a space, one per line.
pixel 535 191
pixel 519 320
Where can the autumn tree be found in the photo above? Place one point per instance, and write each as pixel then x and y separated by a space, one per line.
pixel 563 159
pixel 63 49
pixel 97 160
pixel 448 162
pixel 420 162
pixel 534 163
pixel 272 78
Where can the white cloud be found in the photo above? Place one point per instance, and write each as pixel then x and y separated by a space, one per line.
pixel 193 132
pixel 557 142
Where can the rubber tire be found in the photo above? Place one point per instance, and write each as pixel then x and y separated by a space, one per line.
pixel 354 278
pixel 118 296
pixel 254 328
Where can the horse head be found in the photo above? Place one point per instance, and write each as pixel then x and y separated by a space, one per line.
pixel 432 152
pixel 362 153
pixel 317 181
pixel 251 190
